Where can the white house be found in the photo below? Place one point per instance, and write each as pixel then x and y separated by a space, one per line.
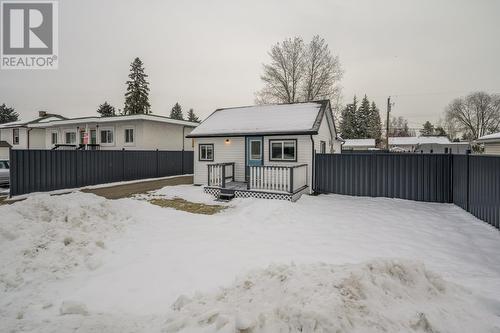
pixel 491 143
pixel 22 134
pixel 359 144
pixel 264 150
pixel 427 144
pixel 4 150
pixel 130 132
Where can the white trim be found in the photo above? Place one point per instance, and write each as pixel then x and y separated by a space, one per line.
pixel 107 144
pixel 125 143
pixel 282 141
pixel 74 131
pixel 99 120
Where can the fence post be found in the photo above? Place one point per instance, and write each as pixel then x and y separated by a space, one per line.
pixel 291 179
pixel 123 164
pixel 223 176
pixel 157 163
pixel 208 173
pixel 468 181
pixel 182 163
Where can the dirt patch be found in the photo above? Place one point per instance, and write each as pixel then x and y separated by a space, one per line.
pixel 187 206
pixel 128 190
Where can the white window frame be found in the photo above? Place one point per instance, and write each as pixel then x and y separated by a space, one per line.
pixel 14 136
pixel 261 143
pixel 132 143
pixel 282 142
pixel 206 145
pixel 52 137
pixel 70 131
pixel 106 129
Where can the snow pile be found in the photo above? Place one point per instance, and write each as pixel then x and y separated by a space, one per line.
pixel 46 236
pixel 378 296
pixel 187 192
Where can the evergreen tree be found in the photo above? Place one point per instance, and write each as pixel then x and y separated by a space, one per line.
pixel 176 112
pixel 192 117
pixel 375 128
pixel 363 119
pixel 106 110
pixel 137 95
pixel 440 131
pixel 7 114
pixel 348 124
pixel 427 129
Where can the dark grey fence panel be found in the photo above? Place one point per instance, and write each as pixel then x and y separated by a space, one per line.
pixel 48 170
pixel 460 181
pixel 484 188
pixel 423 177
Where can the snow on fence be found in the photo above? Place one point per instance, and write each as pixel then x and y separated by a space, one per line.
pixel 48 170
pixel 471 182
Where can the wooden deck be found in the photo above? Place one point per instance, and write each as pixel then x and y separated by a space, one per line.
pixel 237 186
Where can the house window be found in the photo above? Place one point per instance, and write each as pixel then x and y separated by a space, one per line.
pixel 255 150
pixel 206 152
pixel 82 137
pixel 107 136
pixel 15 136
pixel 322 147
pixel 129 135
pixel 53 138
pixel 283 150
pixel 93 137
pixel 70 138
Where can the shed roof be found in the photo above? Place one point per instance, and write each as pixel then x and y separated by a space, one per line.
pixel 5 144
pixel 494 137
pixel 296 118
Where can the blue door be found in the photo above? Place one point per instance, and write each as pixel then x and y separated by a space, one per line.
pixel 254 151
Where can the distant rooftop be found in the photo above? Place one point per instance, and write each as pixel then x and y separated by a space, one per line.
pixel 490 137
pixel 418 140
pixel 359 143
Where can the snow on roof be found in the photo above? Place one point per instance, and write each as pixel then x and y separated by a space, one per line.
pixel 13 124
pixel 149 117
pixel 359 143
pixel 262 119
pixel 418 140
pixel 490 137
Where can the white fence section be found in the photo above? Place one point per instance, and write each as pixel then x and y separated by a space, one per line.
pixel 270 178
pixel 299 177
pixel 220 173
pixel 278 178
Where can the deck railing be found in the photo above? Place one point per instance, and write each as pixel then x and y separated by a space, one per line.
pixel 220 173
pixel 278 178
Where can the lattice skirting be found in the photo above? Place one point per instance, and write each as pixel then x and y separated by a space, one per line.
pixel 262 195
pixel 255 194
pixel 213 191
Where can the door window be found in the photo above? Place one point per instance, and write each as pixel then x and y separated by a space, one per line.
pixel 255 150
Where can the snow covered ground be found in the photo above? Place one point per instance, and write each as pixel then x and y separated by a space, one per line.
pixel 321 264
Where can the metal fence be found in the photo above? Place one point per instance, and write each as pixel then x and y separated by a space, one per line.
pixel 471 182
pixel 48 170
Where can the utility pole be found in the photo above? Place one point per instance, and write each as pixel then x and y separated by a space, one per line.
pixel 387 123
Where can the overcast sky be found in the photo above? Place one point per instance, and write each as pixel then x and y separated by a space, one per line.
pixel 209 54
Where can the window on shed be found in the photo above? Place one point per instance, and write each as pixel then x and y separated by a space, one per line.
pixel 283 150
pixel 206 152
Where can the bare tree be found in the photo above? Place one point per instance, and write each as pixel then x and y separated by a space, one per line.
pixel 285 72
pixel 322 72
pixel 475 115
pixel 299 72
